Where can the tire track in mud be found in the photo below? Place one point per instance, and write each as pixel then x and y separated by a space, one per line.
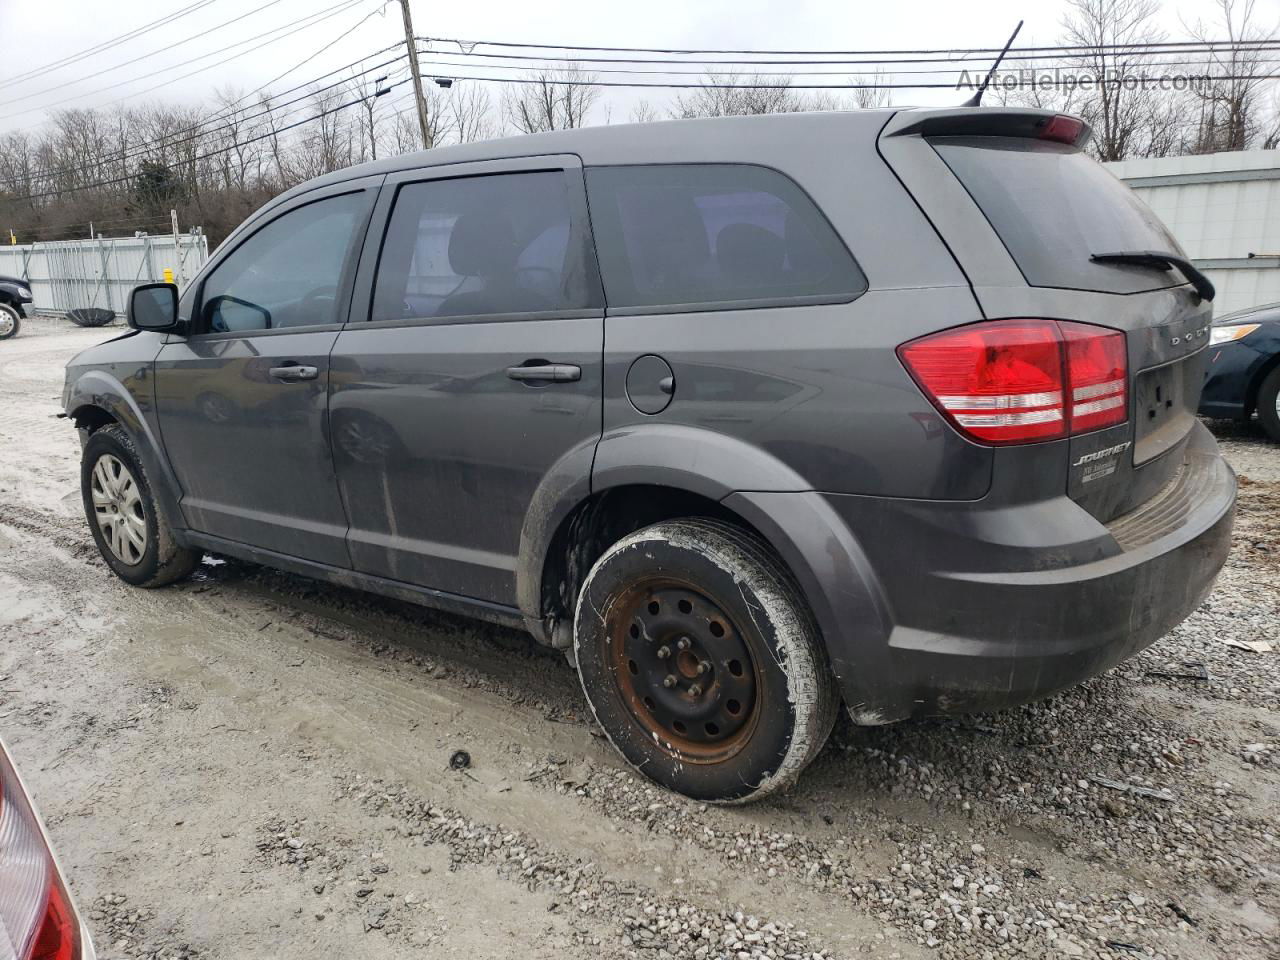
pixel 391 715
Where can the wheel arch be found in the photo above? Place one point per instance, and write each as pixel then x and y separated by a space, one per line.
pixel 643 476
pixel 1256 381
pixel 96 400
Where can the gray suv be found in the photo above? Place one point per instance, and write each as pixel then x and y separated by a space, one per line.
pixel 750 416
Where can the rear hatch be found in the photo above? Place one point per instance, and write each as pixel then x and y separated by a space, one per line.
pixel 1044 204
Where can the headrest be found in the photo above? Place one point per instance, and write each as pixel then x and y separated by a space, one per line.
pixel 482 244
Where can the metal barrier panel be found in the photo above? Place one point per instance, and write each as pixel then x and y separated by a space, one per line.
pixel 66 274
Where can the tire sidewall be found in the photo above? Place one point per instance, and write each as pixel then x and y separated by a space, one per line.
pixel 111 441
pixel 1266 405
pixel 764 618
pixel 17 321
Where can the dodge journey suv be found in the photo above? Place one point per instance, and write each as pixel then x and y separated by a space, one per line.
pixel 750 416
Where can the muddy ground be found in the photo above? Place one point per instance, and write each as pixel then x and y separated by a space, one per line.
pixel 253 765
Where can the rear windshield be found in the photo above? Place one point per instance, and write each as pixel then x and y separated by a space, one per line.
pixel 710 236
pixel 1053 206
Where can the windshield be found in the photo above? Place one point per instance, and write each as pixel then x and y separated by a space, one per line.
pixel 1053 206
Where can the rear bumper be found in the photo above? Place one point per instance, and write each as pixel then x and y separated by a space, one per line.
pixel 989 607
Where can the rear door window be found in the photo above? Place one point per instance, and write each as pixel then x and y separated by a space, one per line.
pixel 1053 206
pixel 484 246
pixel 701 236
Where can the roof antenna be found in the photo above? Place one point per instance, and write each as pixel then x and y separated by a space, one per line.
pixel 976 99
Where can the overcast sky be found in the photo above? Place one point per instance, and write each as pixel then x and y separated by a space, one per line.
pixel 40 32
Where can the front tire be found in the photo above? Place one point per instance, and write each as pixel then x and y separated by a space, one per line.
pixel 702 662
pixel 10 322
pixel 1269 405
pixel 128 526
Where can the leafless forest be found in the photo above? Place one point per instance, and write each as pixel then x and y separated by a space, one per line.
pixel 122 168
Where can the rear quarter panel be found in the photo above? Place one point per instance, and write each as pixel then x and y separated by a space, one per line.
pixel 818 388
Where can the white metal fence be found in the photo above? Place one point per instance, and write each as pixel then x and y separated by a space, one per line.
pixel 66 274
pixel 1224 208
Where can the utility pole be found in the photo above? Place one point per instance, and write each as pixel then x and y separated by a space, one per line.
pixel 417 75
pixel 177 248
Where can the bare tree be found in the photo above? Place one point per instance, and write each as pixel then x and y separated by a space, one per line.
pixel 643 112
pixel 1120 106
pixel 1231 102
pixel 471 113
pixel 551 100
pixel 872 90
pixel 736 95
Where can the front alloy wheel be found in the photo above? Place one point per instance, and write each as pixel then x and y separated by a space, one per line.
pixel 117 505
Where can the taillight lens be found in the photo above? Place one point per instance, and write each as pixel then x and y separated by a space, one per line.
pixel 36 919
pixel 1097 371
pixel 1019 381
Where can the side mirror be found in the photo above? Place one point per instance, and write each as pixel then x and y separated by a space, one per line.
pixel 228 314
pixel 153 306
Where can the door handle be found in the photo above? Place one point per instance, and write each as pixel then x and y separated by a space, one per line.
pixel 546 373
pixel 294 372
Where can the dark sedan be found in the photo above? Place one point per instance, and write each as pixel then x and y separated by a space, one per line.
pixel 1244 368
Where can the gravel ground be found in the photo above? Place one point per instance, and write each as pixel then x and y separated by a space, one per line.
pixel 254 765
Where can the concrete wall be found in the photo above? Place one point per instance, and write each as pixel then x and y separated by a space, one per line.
pixel 1222 207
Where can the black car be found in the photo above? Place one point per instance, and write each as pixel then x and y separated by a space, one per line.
pixel 750 415
pixel 1244 368
pixel 14 295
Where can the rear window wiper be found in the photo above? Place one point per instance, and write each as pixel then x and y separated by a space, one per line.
pixel 1161 261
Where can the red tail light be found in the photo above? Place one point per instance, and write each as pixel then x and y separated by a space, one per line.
pixel 36 919
pixel 1097 370
pixel 1018 381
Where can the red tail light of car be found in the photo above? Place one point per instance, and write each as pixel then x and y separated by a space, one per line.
pixel 1019 381
pixel 37 921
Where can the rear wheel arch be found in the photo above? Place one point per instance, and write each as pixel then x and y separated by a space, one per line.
pixel 686 471
pixel 600 520
pixel 1256 382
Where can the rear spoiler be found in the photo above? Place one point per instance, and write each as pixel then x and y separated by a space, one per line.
pixel 990 122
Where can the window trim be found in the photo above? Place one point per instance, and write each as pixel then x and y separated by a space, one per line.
pixel 752 303
pixel 569 165
pixel 342 300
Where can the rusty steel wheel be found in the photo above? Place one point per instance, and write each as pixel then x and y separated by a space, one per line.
pixel 701 661
pixel 684 669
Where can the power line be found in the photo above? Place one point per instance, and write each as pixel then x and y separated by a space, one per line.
pixel 466 46
pixel 706 68
pixel 1271 45
pixel 297 26
pixel 196 133
pixel 1038 81
pixel 106 44
pixel 302 63
pixel 165 49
